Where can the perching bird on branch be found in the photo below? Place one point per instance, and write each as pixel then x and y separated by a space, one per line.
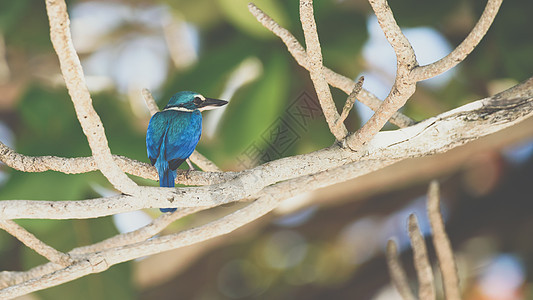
pixel 174 132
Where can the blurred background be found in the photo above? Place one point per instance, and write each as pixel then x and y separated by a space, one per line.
pixel 328 243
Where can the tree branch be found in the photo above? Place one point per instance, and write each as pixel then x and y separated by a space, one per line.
pixel 73 74
pixel 139 235
pixel 434 135
pixel 397 273
pixel 407 66
pixel 269 183
pixel 203 162
pixel 34 243
pixel 8 278
pixel 314 58
pixel 80 165
pixel 426 288
pixel 500 111
pixel 442 245
pixel 403 86
pixel 150 101
pixel 466 47
pixel 342 82
pixel 350 101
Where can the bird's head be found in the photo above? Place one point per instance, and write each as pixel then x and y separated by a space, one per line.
pixel 190 101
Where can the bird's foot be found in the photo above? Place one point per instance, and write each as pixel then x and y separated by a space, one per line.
pixel 191 167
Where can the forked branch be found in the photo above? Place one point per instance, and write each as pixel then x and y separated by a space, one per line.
pixel 339 81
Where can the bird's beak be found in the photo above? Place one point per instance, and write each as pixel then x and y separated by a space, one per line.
pixel 210 103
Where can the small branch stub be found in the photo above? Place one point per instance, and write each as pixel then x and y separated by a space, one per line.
pixel 350 101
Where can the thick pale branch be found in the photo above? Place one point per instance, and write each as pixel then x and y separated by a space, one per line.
pixel 34 243
pixel 269 183
pixel 500 111
pixel 98 262
pixel 339 81
pixel 442 245
pixel 79 165
pixel 74 79
pixel 397 273
pixel 465 48
pixel 434 135
pixel 426 287
pixel 102 260
pixel 314 58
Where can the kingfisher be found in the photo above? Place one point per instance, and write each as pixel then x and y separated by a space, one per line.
pixel 174 132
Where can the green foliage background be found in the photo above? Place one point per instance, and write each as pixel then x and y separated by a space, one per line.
pixel 44 123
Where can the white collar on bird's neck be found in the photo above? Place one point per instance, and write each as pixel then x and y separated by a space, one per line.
pixel 179 108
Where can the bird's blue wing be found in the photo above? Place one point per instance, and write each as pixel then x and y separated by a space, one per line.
pixel 183 134
pixel 154 135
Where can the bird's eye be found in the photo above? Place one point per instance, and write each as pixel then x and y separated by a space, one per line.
pixel 197 100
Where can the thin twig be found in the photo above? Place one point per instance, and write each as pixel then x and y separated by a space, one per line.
pixel 74 79
pixel 397 273
pixel 350 101
pixel 339 81
pixel 34 243
pixel 464 49
pixel 201 161
pixel 426 289
pixel 442 245
pixel 314 58
pixel 403 87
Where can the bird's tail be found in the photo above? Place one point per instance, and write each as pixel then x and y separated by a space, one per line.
pixel 166 179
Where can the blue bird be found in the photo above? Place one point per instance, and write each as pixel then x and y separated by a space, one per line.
pixel 174 132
